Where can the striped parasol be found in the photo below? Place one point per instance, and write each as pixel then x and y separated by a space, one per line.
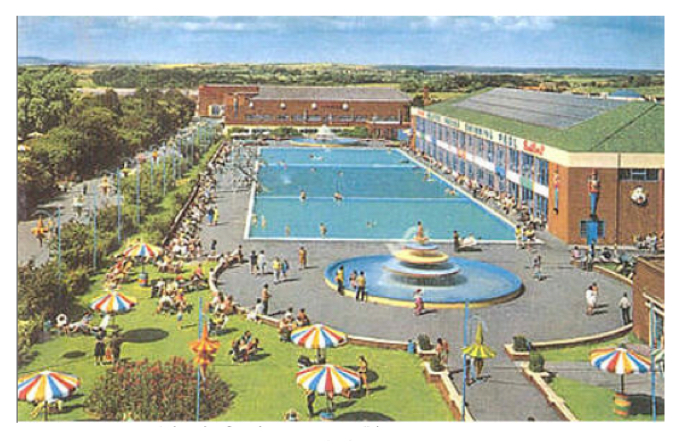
pixel 142 249
pixel 324 379
pixel 47 386
pixel 318 336
pixel 113 302
pixel 479 350
pixel 619 360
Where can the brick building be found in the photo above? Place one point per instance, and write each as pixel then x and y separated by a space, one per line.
pixel 383 111
pixel 648 300
pixel 592 169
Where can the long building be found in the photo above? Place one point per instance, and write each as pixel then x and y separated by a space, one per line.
pixel 383 111
pixel 592 169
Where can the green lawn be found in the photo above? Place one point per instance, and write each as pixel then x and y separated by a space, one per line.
pixel 590 403
pixel 580 352
pixel 264 389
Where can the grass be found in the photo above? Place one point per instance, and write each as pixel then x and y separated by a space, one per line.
pixel 264 389
pixel 591 403
pixel 580 353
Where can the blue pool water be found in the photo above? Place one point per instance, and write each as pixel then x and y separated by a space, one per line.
pixel 384 194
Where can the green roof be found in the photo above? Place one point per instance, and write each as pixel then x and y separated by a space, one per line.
pixel 636 127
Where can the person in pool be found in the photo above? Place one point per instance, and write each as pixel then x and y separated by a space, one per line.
pixel 303 196
pixel 337 196
pixel 322 229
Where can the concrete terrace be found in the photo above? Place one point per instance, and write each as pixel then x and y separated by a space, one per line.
pixel 551 309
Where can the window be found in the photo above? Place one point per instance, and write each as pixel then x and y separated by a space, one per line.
pixel 314 118
pixel 363 119
pixel 527 165
pixel 216 110
pixel 514 161
pixel 542 171
pixel 500 156
pixel 639 174
pixel 282 118
pixel 298 117
pixel 490 151
pixel 542 206
pixel 584 228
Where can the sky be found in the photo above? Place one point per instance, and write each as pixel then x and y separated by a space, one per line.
pixel 553 41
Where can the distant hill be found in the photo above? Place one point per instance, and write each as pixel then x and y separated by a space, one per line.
pixel 512 70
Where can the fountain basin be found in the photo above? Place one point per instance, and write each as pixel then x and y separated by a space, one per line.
pixel 478 282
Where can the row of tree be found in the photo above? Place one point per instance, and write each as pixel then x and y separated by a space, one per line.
pixel 81 135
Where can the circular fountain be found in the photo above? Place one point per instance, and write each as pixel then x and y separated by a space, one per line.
pixel 326 138
pixel 447 282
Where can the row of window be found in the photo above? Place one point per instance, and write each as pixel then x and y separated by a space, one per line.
pixel 496 180
pixel 639 174
pixel 316 118
pixel 501 156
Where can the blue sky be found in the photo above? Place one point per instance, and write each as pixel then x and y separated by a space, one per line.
pixel 584 42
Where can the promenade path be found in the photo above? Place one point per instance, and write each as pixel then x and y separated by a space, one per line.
pixel 551 309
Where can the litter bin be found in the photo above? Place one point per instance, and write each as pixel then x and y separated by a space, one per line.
pixel 143 279
pixel 621 404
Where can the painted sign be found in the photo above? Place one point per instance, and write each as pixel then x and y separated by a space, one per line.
pixel 533 148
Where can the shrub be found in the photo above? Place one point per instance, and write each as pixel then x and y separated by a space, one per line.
pixel 536 362
pixel 157 391
pixel 520 343
pixel 436 364
pixel 77 281
pixel 424 342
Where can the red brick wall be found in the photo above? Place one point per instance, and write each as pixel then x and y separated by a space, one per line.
pixel 649 280
pixel 225 95
pixel 623 218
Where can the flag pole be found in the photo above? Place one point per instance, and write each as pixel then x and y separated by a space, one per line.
pixel 198 369
pixel 465 366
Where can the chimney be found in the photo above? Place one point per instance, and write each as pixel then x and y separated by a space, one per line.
pixel 426 96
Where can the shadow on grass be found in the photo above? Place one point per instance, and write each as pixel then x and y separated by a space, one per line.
pixel 73 354
pixel 144 335
pixel 642 405
pixel 363 416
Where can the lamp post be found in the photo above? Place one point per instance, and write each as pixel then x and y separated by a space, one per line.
pixel 119 215
pixel 94 229
pixel 465 358
pixel 165 152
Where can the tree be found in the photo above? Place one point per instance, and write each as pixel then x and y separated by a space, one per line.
pixel 45 98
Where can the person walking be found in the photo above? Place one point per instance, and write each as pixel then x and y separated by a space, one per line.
pixel 537 267
pixel 99 349
pixel 266 295
pixel 340 280
pixel 253 262
pixel 360 295
pixel 624 305
pixel 363 374
pixel 261 263
pixel 519 233
pixel 456 241
pixel 591 299
pixel 419 302
pixel 311 397
pixel 284 270
pixel 302 258
pixel 276 266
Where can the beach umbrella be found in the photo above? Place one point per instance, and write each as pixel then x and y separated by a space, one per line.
pixel 619 360
pixel 113 302
pixel 143 250
pixel 317 337
pixel 328 378
pixel 46 387
pixel 479 351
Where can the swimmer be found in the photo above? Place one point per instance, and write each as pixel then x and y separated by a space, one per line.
pixel 451 192
pixel 264 222
pixel 303 196
pixel 287 231
pixel 322 229
pixel 337 196
pixel 312 170
pixel 253 220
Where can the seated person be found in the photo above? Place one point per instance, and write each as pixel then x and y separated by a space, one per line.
pixel 62 323
pixel 163 264
pixel 165 302
pixel 216 302
pixel 251 348
pixel 576 254
pixel 285 328
pixel 302 318
pixel 83 325
pixel 256 312
pixel 468 242
pixel 237 351
pixel 218 322
pixel 179 300
pixel 228 306
pixel 158 289
pixel 529 233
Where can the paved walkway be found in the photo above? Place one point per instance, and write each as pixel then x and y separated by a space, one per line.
pixel 551 309
pixel 28 246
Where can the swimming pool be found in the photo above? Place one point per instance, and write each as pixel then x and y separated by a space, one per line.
pixel 384 194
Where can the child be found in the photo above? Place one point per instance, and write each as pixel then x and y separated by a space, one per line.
pixel 180 315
